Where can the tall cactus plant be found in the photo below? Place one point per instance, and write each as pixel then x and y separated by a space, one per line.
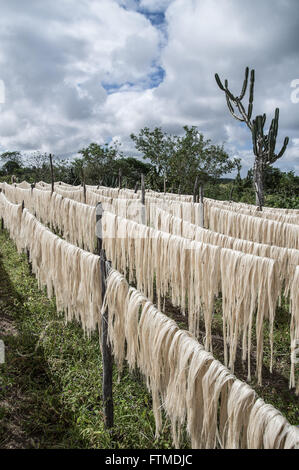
pixel 263 144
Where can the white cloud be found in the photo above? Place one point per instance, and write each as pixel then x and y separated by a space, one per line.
pixel 77 72
pixel 155 5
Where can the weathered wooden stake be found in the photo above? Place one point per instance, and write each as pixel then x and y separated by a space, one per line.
pixel 164 184
pixel 143 217
pixel 142 189
pixel 106 347
pixel 27 251
pixel 84 193
pixel 202 218
pixel 231 192
pixel 52 173
pixel 136 187
pixel 83 185
pixel 120 176
pixel 195 190
pixel 2 220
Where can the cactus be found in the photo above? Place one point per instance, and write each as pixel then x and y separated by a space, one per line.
pixel 263 144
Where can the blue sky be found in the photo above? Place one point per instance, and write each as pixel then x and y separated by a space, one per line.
pixel 98 70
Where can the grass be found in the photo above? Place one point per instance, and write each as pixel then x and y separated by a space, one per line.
pixel 50 383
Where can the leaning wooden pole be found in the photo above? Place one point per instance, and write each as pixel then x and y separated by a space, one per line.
pixel 52 173
pixel 106 347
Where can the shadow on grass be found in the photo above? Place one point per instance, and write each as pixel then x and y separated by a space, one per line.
pixel 31 415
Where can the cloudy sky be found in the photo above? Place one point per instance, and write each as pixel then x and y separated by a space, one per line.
pixel 76 72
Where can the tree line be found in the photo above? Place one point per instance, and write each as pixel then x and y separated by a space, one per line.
pixel 169 163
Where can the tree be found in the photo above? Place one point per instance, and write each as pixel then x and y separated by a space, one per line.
pixel 40 167
pixel 194 157
pixel 156 146
pixel 11 167
pixel 263 144
pixel 14 156
pixel 131 169
pixel 12 163
pixel 97 161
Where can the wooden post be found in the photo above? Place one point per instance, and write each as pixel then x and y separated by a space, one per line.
pixel 231 192
pixel 52 174
pixel 2 220
pixel 84 185
pixel 195 190
pixel 202 218
pixel 120 175
pixel 106 347
pixel 164 184
pixel 142 189
pixel 136 187
pixel 27 251
pixel 143 217
pixel 84 193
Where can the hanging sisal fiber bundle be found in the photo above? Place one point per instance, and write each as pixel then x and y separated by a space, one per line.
pixel 75 194
pixel 193 274
pixel 294 328
pixel 115 299
pixel 241 316
pixel 74 220
pixel 241 205
pixel 203 274
pixel 287 258
pixel 257 286
pixel 146 333
pixel 268 428
pixel 280 217
pixel 24 185
pixel 194 389
pixel 40 205
pixel 18 195
pixel 169 196
pixel 254 228
pixel 70 273
pixel 11 215
pixel 93 198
